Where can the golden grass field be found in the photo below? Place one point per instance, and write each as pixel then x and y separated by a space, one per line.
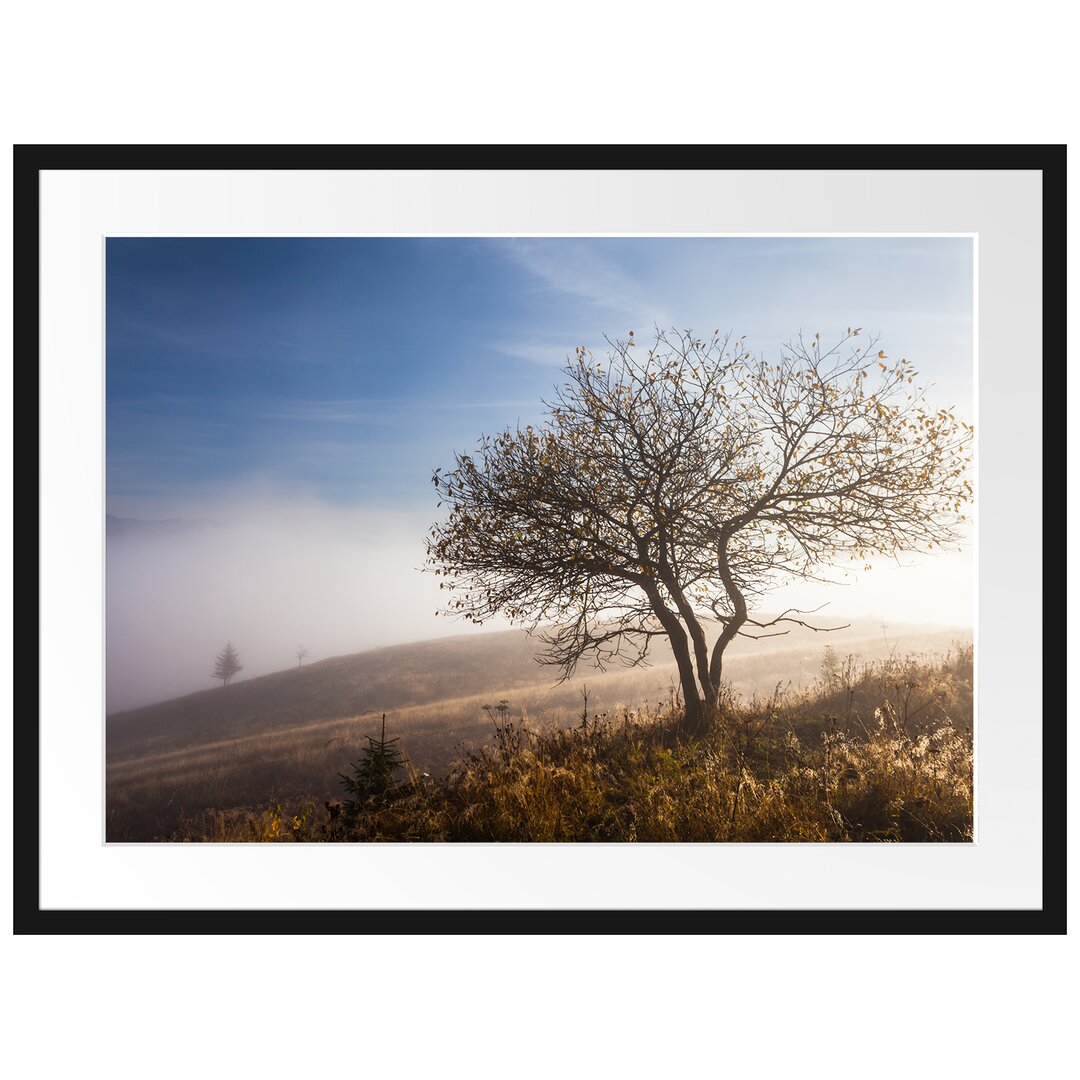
pixel 284 738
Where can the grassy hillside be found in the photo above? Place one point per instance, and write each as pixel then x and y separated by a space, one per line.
pixel 286 736
pixel 881 752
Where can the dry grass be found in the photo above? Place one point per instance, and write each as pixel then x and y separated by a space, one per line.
pixel 286 736
pixel 879 751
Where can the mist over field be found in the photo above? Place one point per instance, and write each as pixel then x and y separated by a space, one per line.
pixel 267 577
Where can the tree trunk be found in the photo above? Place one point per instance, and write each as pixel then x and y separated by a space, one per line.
pixel 692 704
pixel 716 672
pixel 693 717
pixel 697 633
pixel 701 648
pixel 731 627
pixel 695 711
pixel 696 717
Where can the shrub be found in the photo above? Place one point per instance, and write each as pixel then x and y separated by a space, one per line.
pixel 373 775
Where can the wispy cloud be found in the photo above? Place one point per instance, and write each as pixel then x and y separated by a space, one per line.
pixel 212 338
pixel 580 270
pixel 548 353
pixel 384 411
pixel 329 412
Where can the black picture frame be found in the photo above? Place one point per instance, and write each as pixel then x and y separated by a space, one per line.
pixel 30 918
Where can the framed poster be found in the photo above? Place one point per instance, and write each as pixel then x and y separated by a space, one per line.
pixel 336 443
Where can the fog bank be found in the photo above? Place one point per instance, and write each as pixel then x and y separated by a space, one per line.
pixel 266 577
pixel 270 575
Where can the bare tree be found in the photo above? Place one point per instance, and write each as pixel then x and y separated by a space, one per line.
pixel 665 494
pixel 227 664
pixel 301 652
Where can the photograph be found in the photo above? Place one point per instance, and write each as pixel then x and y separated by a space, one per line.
pixel 540 538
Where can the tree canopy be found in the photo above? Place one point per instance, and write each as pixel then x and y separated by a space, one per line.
pixel 670 486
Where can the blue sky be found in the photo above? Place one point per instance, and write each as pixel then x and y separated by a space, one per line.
pixel 346 369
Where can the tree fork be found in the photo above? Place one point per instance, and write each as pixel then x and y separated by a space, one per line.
pixel 693 706
pixel 697 636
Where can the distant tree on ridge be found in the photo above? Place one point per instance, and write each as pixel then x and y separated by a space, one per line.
pixel 227 664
